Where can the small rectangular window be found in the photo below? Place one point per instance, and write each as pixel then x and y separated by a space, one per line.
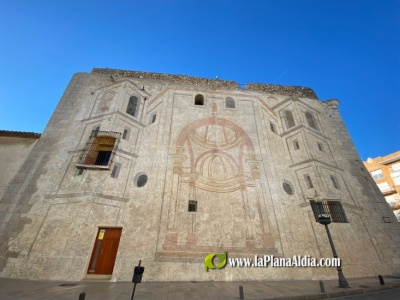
pixel 199 99
pixel 115 170
pixel 229 102
pixel 192 206
pixel 320 147
pixel 79 172
pixel 377 174
pixel 153 118
pixel 308 181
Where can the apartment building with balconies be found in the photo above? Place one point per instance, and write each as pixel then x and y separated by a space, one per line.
pixel 385 170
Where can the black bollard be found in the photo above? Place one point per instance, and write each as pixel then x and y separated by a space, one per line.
pixel 321 286
pixel 381 280
pixel 82 296
pixel 241 293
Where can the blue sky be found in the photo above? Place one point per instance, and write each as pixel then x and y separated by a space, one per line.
pixel 348 50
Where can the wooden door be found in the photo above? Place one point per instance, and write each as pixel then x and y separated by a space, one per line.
pixel 104 251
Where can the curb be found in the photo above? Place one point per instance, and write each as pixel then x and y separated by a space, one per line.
pixel 338 294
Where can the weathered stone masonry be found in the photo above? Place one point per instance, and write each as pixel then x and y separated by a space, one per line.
pixel 168 168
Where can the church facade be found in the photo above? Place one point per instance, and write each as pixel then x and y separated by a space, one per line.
pixel 167 169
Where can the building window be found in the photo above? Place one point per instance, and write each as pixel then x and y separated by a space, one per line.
pixel 310 120
pixel 132 106
pixel 192 206
pixel 296 145
pixel 199 99
pixel 272 126
pixel 125 134
pixel 115 170
pixel 289 119
pixel 384 187
pixel 377 174
pixel 140 179
pixel 100 149
pixel 320 147
pixel 386 220
pixel 309 183
pixel 391 200
pixel 395 173
pixel 335 182
pixel 229 103
pixel 152 118
pixel 331 209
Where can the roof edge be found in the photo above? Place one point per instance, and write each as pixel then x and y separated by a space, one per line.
pixel 21 134
pixel 285 90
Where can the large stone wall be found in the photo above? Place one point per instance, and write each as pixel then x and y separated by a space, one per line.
pixel 248 166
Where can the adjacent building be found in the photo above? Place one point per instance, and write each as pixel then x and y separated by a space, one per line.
pixel 15 147
pixel 170 168
pixel 385 170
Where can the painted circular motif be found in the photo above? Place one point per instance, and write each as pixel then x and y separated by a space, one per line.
pixel 288 188
pixel 141 180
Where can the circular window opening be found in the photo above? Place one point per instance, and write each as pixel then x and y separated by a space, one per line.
pixel 288 188
pixel 141 180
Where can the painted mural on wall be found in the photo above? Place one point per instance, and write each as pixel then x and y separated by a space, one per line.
pixel 216 203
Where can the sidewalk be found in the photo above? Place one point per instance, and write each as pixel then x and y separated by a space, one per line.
pixel 299 289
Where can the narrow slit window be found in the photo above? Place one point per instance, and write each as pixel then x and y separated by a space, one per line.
pixel 308 181
pixel 335 182
pixel 125 134
pixel 132 106
pixel 310 120
pixel 115 170
pixel 320 147
pixel 296 145
pixel 289 119
pixel 272 127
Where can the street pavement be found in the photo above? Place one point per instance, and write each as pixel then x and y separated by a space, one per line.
pixel 292 289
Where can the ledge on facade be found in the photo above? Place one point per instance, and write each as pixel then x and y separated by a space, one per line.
pixel 21 134
pixel 214 83
pixel 282 90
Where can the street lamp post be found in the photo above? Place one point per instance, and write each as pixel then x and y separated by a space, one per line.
pixel 324 220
